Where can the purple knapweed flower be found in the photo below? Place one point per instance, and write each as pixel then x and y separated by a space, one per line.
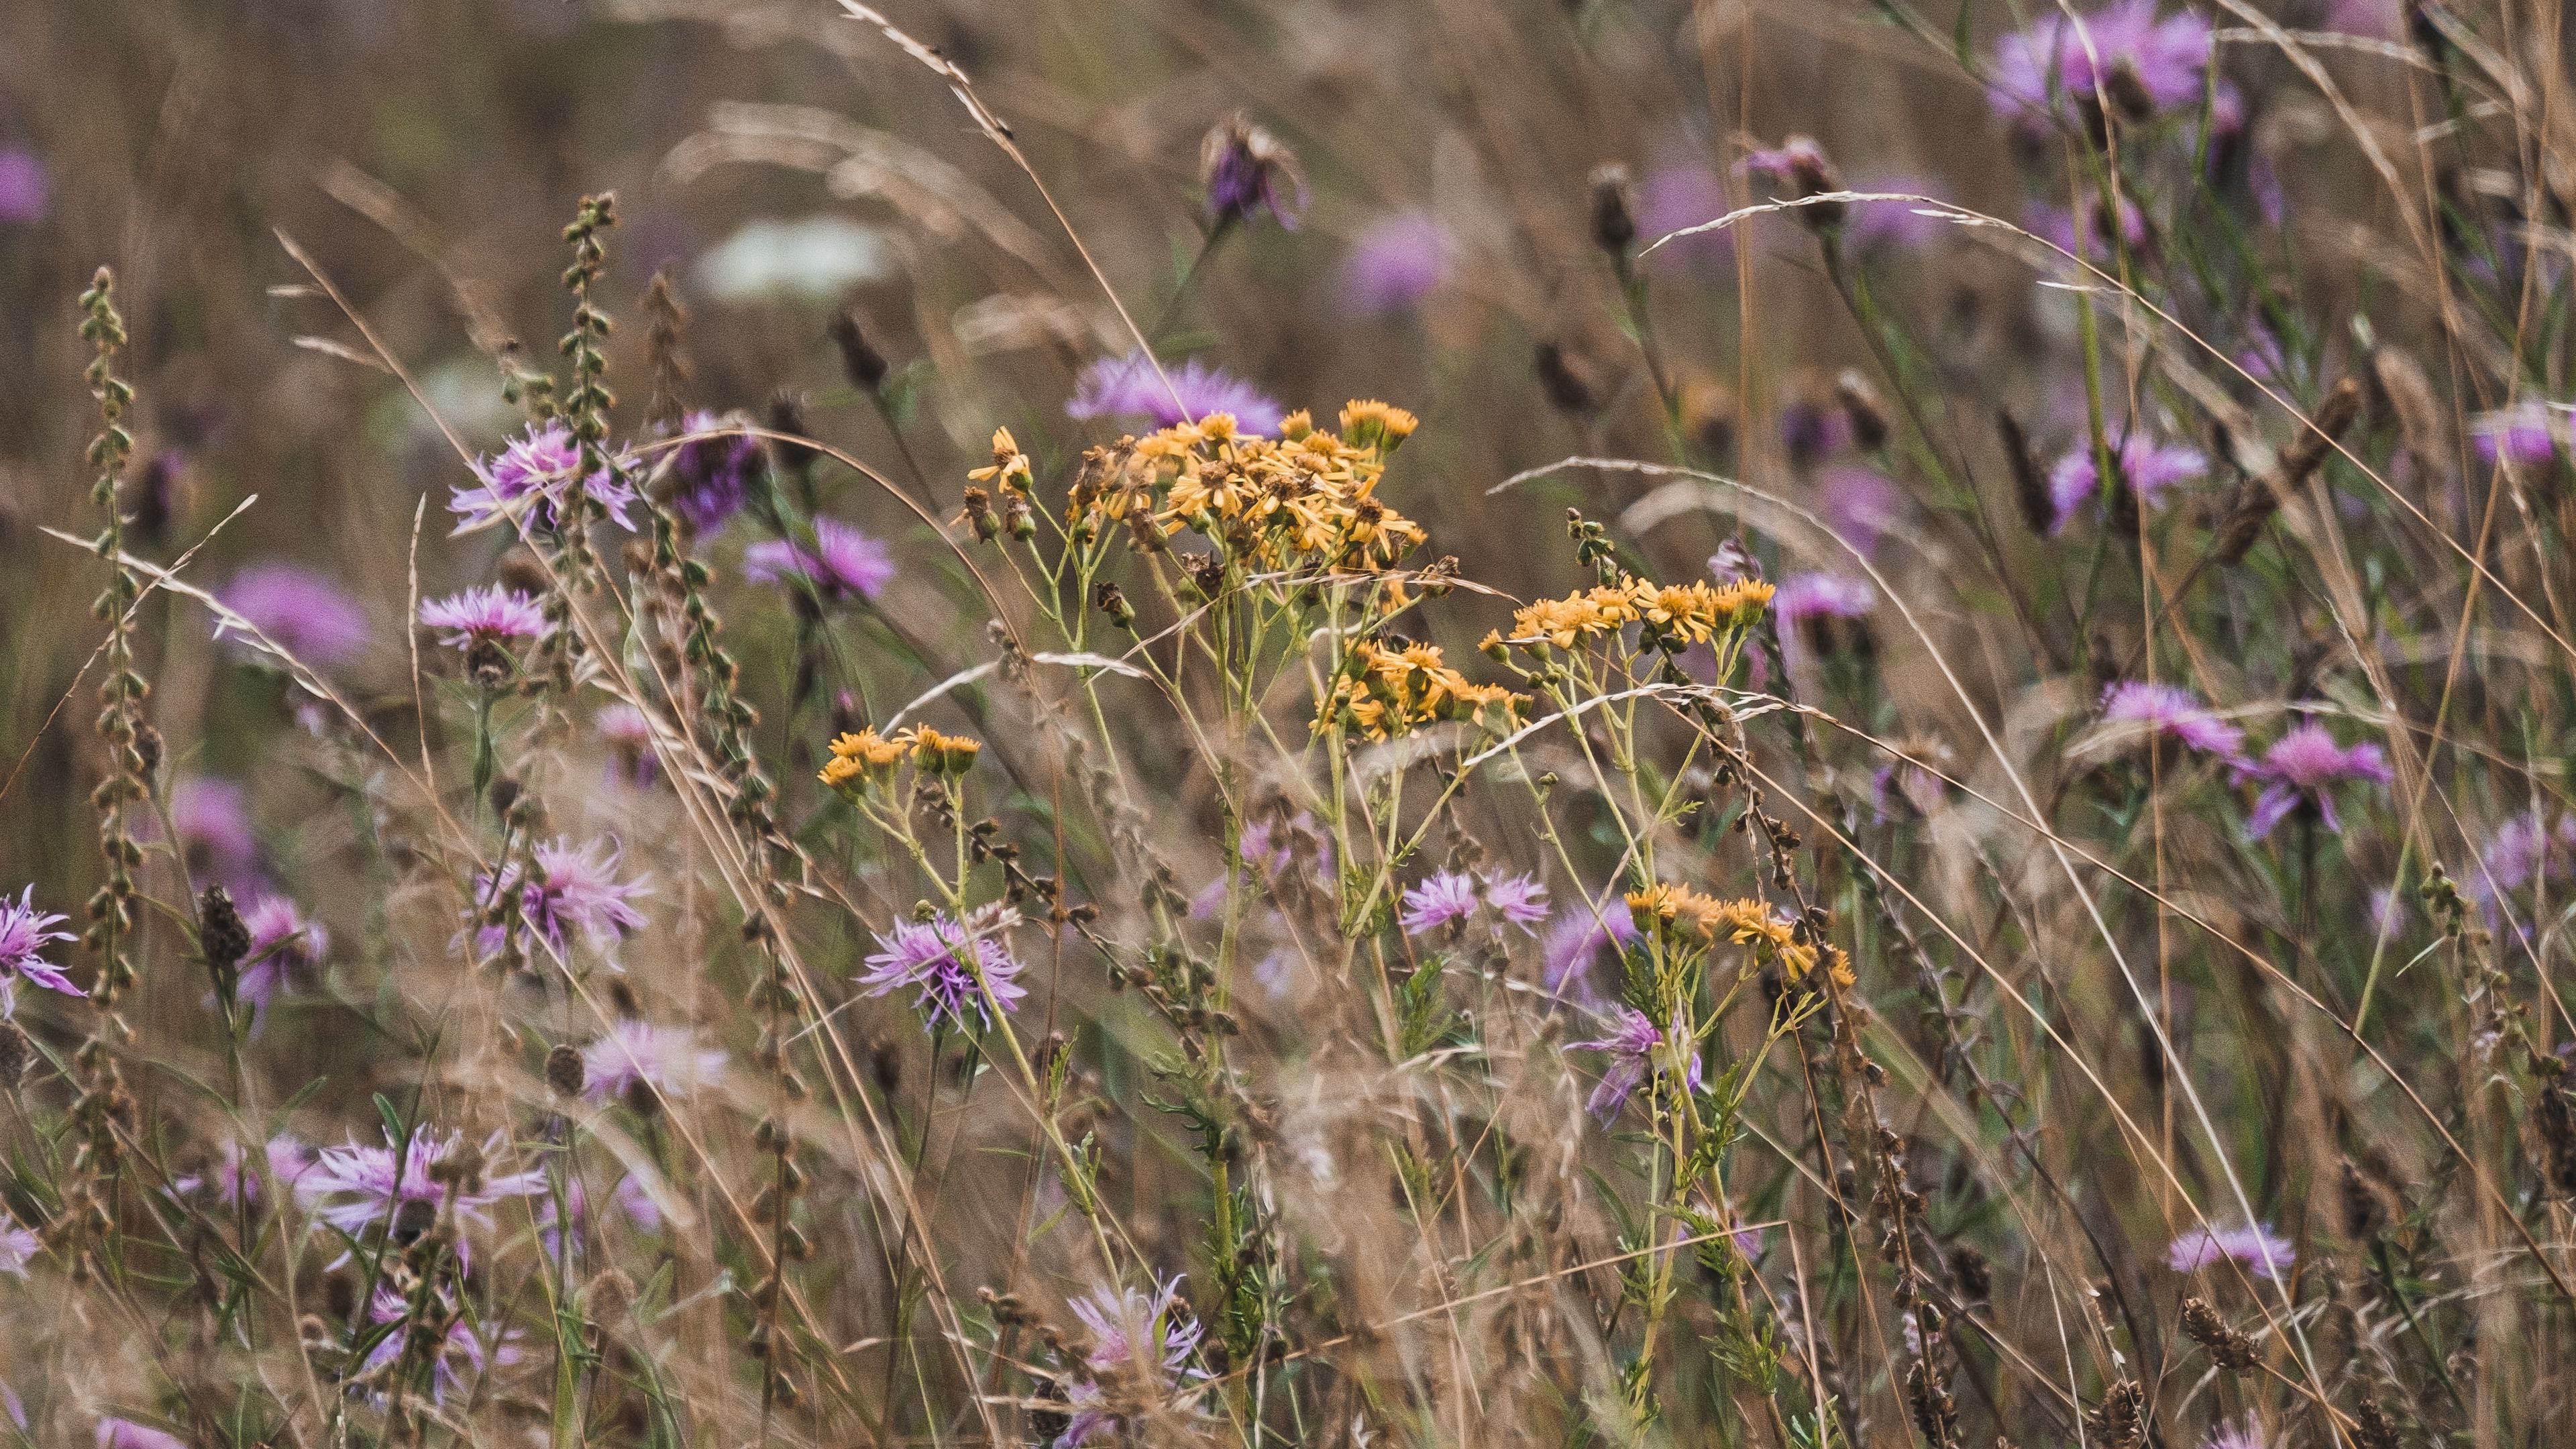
pixel 2056 226
pixel 1246 170
pixel 459 1354
pixel 2264 1254
pixel 1637 1049
pixel 629 737
pixel 573 890
pixel 1812 429
pixel 232 1180
pixel 299 611
pixel 2147 66
pixel 1812 595
pixel 2159 710
pixel 1454 896
pixel 485 615
pixel 1797 164
pixel 25 932
pixel 844 563
pixel 1893 224
pixel 929 957
pixel 1684 194
pixel 283 945
pixel 710 477
pixel 2524 434
pixel 2521 851
pixel 1268 850
pixel 1575 943
pixel 2151 469
pixel 212 819
pixel 2245 1433
pixel 530 477
pixel 2302 767
pixel 115 1433
pixel 667 1059
pixel 24 186
pixel 1396 262
pixel 1134 1335
pixel 357 1187
pixel 1899 789
pixel 18 1247
pixel 1860 505
pixel 1127 387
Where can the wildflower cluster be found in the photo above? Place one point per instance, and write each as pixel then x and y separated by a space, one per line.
pixel 1391 688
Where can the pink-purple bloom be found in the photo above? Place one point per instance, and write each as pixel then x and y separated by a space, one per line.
pixel 1133 1334
pixel 1397 262
pixel 484 615
pixel 574 890
pixel 25 932
pixel 2146 64
pixel 299 611
pixel 1127 387
pixel 2152 470
pixel 710 477
pixel 359 1186
pixel 629 736
pixel 1638 1049
pixel 1892 223
pixel 1861 505
pixel 459 1354
pixel 2263 1252
pixel 2056 226
pixel 283 946
pixel 2522 851
pixel 115 1433
pixel 1805 596
pixel 531 477
pixel 1454 896
pixel 1678 195
pixel 668 1059
pixel 233 1180
pixel 2245 1433
pixel 212 818
pixel 1575 943
pixel 2524 434
pixel 930 957
pixel 2301 770
pixel 18 1247
pixel 843 564
pixel 2161 710
pixel 24 185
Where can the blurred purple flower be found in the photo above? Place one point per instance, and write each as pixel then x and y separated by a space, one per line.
pixel 666 1058
pixel 1860 503
pixel 1397 262
pixel 711 476
pixel 1575 943
pixel 283 944
pixel 458 1353
pixel 2264 1254
pixel 1246 169
pixel 1269 851
pixel 1898 790
pixel 2151 469
pixel 2148 66
pixel 1455 896
pixel 1794 164
pixel 1812 429
pixel 1126 387
pixel 1634 1044
pixel 2524 434
pixel 298 610
pixel 231 1179
pixel 1813 595
pixel 115 1433
pixel 1129 1330
pixel 212 817
pixel 24 185
pixel 2376 19
pixel 1678 195
pixel 539 464
pixel 629 736
pixel 2246 1433
pixel 488 613
pixel 2056 226
pixel 358 1187
pixel 18 1247
pixel 2169 709
pixel 24 934
pixel 2302 766
pixel 846 564
pixel 2521 851
pixel 926 956
pixel 573 889
pixel 1892 223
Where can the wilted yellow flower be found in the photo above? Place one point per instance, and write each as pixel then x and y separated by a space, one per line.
pixel 1010 468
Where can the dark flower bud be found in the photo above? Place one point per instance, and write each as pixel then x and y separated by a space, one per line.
pixel 1862 408
pixel 1614 216
pixel 221 937
pixel 860 360
pixel 1112 601
pixel 1246 169
pixel 786 414
pixel 1570 380
pixel 979 514
pixel 564 1070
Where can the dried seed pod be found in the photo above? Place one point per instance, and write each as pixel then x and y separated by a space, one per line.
pixel 564 1070
pixel 2119 1420
pixel 2372 1427
pixel 1614 217
pixel 2228 1348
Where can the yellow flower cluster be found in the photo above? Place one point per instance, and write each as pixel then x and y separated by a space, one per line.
pixel 1385 691
pixel 1694 612
pixel 868 758
pixel 1305 499
pixel 1744 922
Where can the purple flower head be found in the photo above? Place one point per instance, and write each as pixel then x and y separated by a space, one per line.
pixel 283 946
pixel 1397 262
pixel 844 564
pixel 1575 943
pixel 1860 504
pixel 24 186
pixel 1126 387
pixel 2146 66
pixel 667 1059
pixel 530 477
pixel 629 737
pixel 115 1433
pixel 1679 195
pixel 572 890
pixel 2054 225
pixel 1138 1340
pixel 1454 896
pixel 360 1187
pixel 232 1179
pixel 930 957
pixel 2301 768
pixel 2245 1433
pixel 2153 470
pixel 2524 434
pixel 1898 790
pixel 1638 1049
pixel 18 1247
pixel 1246 169
pixel 459 1353
pixel 299 611
pixel 2373 18
pixel 1894 224
pixel 711 476
pixel 24 934
pixel 212 817
pixel 1797 166
pixel 1811 429
pixel 1805 596
pixel 2521 851
pixel 2169 709
pixel 2264 1254
pixel 1269 851
pixel 488 614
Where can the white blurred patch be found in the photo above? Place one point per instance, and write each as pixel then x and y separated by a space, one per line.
pixel 818 257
